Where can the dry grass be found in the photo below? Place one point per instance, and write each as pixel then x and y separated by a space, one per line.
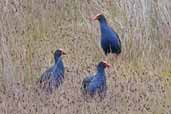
pixel 138 83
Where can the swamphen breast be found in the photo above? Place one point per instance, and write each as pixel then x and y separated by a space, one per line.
pixel 53 77
pixel 110 41
pixel 96 83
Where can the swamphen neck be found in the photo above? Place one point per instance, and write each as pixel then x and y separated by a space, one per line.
pixel 57 56
pixel 103 22
pixel 100 68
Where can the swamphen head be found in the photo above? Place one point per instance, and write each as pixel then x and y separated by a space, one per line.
pixel 58 53
pixel 102 65
pixel 100 17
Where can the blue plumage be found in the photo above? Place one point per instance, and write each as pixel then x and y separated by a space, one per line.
pixel 53 77
pixel 110 41
pixel 96 83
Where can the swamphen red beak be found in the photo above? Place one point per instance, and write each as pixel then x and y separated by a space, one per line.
pixel 62 50
pixel 96 17
pixel 107 64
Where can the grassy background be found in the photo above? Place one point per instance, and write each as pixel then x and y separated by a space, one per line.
pixel 139 82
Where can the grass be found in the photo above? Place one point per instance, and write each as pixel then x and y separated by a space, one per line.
pixel 139 81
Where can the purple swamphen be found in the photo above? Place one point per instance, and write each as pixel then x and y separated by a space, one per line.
pixel 110 41
pixel 53 77
pixel 96 83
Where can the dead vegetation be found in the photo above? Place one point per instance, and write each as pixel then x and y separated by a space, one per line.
pixel 31 30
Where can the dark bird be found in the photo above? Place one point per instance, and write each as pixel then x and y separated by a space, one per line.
pixel 53 77
pixel 110 41
pixel 96 83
